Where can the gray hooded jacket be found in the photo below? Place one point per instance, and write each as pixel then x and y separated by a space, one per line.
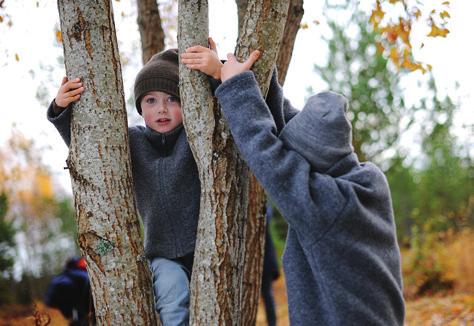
pixel 166 182
pixel 341 259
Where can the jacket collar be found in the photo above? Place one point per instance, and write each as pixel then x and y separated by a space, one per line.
pixel 163 141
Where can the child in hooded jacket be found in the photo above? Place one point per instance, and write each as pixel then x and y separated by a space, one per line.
pixel 341 258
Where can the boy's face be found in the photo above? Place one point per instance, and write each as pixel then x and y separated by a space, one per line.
pixel 161 111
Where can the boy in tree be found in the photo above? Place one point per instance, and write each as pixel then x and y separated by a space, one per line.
pixel 165 177
pixel 341 260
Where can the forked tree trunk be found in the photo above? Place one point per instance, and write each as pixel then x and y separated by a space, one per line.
pixel 152 35
pixel 100 168
pixel 231 223
pixel 292 26
pixel 216 285
pixel 262 28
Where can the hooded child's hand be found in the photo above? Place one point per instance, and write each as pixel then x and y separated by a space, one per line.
pixel 232 67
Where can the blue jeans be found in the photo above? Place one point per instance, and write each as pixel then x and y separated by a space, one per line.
pixel 171 288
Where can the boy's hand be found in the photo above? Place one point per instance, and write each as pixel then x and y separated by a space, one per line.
pixel 203 59
pixel 233 67
pixel 70 91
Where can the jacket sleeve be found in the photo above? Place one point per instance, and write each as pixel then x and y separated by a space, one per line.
pixel 309 201
pixel 61 119
pixel 280 107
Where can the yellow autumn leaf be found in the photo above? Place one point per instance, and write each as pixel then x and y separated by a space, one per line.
pixel 444 14
pixel 446 3
pixel 417 13
pixel 430 67
pixel 406 54
pixel 377 15
pixel 59 36
pixel 393 1
pixel 436 31
pixel 304 26
pixel 394 57
pixel 17 57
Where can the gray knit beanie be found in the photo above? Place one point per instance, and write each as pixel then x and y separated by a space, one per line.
pixel 160 73
pixel 321 132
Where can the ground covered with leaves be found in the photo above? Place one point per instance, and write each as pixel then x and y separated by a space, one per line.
pixel 448 309
pixel 442 309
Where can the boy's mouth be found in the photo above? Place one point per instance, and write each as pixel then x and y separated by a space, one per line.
pixel 163 120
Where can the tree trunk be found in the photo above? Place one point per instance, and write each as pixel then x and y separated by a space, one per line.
pixel 293 20
pixel 295 14
pixel 241 10
pixel 100 168
pixel 226 281
pixel 262 28
pixel 216 285
pixel 151 32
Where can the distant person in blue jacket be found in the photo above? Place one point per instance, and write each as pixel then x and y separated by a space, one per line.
pixel 341 259
pixel 70 292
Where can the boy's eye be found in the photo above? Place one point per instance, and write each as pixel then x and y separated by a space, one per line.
pixel 150 100
pixel 173 99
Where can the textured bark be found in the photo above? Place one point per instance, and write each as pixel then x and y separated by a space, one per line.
pixel 151 32
pixel 216 285
pixel 100 168
pixel 262 28
pixel 241 10
pixel 292 26
pixel 229 251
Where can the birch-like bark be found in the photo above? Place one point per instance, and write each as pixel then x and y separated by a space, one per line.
pixel 216 284
pixel 152 35
pixel 100 168
pixel 262 28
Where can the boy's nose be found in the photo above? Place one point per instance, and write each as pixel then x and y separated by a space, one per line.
pixel 162 107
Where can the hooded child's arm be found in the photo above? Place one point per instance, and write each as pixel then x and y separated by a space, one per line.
pixel 309 201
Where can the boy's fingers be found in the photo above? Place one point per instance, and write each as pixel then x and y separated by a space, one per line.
pixel 190 55
pixel 195 48
pixel 186 56
pixel 72 85
pixel 212 44
pixel 64 81
pixel 252 58
pixel 74 92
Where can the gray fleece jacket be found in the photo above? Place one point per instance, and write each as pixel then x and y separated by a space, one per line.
pixel 341 259
pixel 166 182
